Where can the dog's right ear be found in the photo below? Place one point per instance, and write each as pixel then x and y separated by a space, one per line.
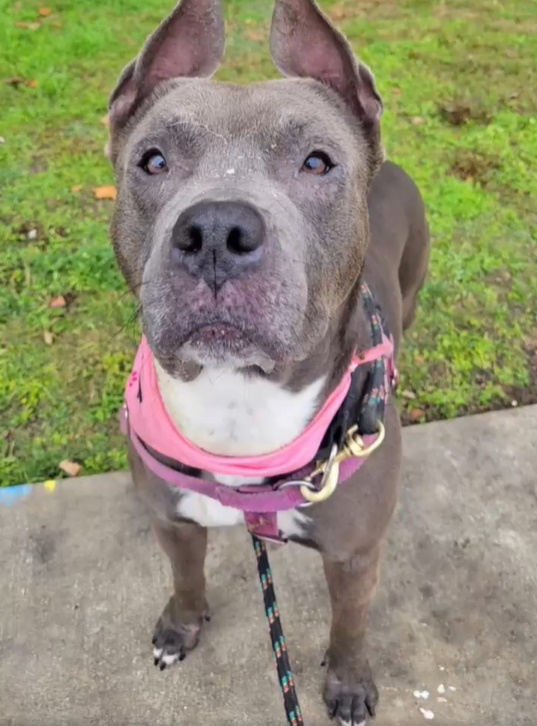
pixel 189 43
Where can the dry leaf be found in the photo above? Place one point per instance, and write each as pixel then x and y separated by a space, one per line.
pixel 70 467
pixel 109 192
pixel 57 302
pixel 48 337
pixel 417 121
pixel 419 359
pixel 76 188
pixel 27 26
pixel 15 80
pixel 417 414
pixel 45 11
pixel 32 84
pixel 2 140
pixel 397 91
pixel 410 395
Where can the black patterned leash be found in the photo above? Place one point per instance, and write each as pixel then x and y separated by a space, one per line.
pixel 285 675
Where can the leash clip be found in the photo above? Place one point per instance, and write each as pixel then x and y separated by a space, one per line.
pixel 354 447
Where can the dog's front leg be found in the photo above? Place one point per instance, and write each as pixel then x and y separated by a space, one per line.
pixel 179 626
pixel 350 692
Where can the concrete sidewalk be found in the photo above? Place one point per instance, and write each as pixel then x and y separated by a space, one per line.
pixel 82 584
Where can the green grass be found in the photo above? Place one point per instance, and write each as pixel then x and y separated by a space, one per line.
pixel 460 87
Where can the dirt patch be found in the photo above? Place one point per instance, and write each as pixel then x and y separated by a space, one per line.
pixel 473 167
pixel 461 113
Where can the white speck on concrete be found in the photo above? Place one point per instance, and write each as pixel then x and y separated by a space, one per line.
pixel 441 668
pixel 441 699
pixel 230 172
pixel 427 715
pixel 452 689
pixel 441 688
pixel 421 695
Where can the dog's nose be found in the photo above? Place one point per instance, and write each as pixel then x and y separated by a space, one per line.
pixel 219 240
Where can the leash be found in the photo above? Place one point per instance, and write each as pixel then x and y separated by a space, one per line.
pixel 285 674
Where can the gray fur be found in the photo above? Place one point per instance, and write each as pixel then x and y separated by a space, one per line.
pixel 297 314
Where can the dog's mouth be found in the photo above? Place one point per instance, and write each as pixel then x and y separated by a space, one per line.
pixel 225 344
pixel 218 335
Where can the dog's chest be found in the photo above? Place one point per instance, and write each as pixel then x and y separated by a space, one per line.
pixel 228 414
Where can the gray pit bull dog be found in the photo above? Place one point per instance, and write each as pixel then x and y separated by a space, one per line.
pixel 246 219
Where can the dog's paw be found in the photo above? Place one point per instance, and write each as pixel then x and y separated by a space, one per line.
pixel 172 642
pixel 351 696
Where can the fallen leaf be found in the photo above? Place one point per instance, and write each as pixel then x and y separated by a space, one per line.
pixel 32 84
pixel 408 394
pixel 15 80
pixel 2 140
pixel 76 188
pixel 57 302
pixel 45 11
pixel 417 414
pixel 106 120
pixel 27 26
pixel 50 485
pixel 397 91
pixel 31 234
pixel 417 121
pixel 108 192
pixel 48 337
pixel 70 467
pixel 419 359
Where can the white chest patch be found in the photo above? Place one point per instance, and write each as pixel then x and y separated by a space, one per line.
pixel 227 413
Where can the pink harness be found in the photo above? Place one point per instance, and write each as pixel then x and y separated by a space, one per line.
pixel 147 423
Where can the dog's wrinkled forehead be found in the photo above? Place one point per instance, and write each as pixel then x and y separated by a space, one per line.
pixel 277 120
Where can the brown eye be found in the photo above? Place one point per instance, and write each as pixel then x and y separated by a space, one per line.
pixel 317 163
pixel 153 163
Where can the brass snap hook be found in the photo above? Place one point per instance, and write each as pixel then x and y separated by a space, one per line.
pixel 330 471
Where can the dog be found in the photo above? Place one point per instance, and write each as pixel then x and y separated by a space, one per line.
pixel 247 221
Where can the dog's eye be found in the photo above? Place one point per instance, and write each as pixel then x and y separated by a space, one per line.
pixel 153 163
pixel 318 163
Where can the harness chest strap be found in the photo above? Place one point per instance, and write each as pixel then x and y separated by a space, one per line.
pixel 260 502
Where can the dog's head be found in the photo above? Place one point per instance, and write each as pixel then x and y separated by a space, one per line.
pixel 241 219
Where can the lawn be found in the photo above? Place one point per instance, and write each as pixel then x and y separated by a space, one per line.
pixel 459 82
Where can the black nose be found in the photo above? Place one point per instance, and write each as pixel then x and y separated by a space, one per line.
pixel 218 240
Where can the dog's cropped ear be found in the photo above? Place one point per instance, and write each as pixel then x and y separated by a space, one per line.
pixel 304 43
pixel 189 43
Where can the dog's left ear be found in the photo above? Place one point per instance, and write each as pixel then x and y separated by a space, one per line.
pixel 304 43
pixel 189 43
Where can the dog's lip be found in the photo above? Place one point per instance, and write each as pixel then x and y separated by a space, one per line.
pixel 217 329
